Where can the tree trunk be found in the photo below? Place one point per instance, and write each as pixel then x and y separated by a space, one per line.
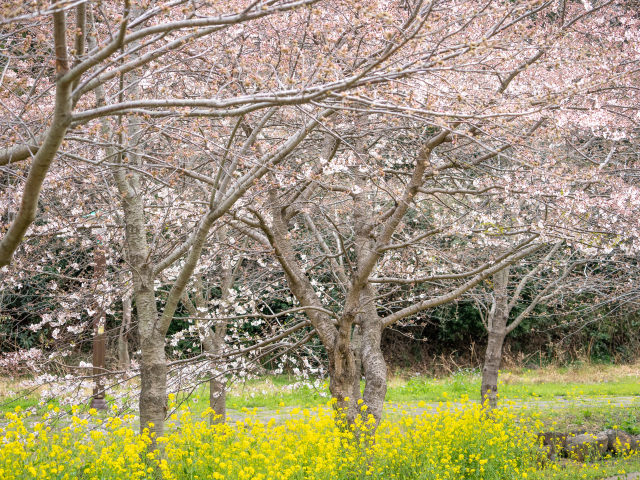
pixel 356 340
pixel 218 399
pixel 153 369
pixel 153 366
pixel 490 371
pixel 375 374
pixel 375 367
pixel 342 376
pixel 497 328
pixel 212 343
pixel 123 347
pixel 218 382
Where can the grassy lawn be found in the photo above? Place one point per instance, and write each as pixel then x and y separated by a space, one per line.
pixel 521 384
pixel 545 384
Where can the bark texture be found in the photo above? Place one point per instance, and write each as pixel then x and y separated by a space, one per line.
pixel 218 383
pixel 374 365
pixel 490 370
pixel 123 346
pixel 497 325
pixel 343 375
pixel 356 340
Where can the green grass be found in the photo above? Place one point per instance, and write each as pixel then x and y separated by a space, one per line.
pixel 270 392
pixel 439 390
pixel 275 392
pixel 9 403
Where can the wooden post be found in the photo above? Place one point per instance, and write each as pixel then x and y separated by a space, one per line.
pixel 99 340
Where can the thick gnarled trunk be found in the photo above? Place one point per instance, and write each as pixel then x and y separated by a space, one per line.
pixel 359 307
pixel 375 371
pixel 373 363
pixel 356 341
pixel 343 376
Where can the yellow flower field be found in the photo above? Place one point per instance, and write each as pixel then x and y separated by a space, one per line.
pixel 454 443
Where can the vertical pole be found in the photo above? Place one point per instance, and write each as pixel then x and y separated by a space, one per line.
pixel 99 340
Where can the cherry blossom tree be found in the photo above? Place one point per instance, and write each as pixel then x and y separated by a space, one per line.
pixel 502 303
pixel 111 107
pixel 369 147
pixel 499 186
